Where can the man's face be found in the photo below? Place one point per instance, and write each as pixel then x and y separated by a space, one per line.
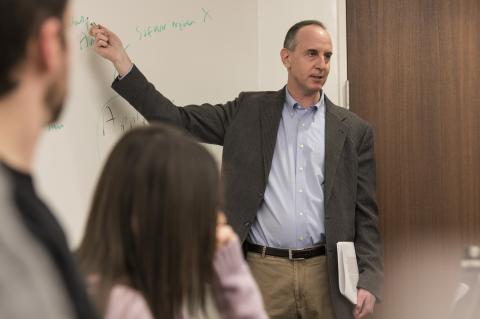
pixel 308 64
pixel 57 91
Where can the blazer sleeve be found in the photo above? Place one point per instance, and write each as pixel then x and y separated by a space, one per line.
pixel 207 122
pixel 368 243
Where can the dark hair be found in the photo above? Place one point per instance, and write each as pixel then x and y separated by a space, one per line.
pixel 289 42
pixel 153 219
pixel 19 22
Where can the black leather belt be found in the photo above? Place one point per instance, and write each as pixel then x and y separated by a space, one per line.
pixel 291 254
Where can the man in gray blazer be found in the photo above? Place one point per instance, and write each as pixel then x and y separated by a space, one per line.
pixel 299 176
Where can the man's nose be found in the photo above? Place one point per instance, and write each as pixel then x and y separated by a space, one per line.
pixel 321 63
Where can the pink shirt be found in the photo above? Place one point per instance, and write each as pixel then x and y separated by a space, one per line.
pixel 235 293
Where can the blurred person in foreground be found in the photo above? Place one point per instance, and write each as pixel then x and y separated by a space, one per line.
pixel 37 272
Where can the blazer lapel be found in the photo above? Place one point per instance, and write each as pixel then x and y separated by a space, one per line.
pixel 270 115
pixel 335 134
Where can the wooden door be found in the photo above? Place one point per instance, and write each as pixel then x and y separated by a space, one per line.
pixel 414 72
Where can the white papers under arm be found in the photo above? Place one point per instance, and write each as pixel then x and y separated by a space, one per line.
pixel 347 270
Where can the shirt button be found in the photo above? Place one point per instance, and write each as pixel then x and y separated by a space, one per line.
pixel 301 190
pixel 303 124
pixel 301 145
pixel 301 238
pixel 301 168
pixel 301 214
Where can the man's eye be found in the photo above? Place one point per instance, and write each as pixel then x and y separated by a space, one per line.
pixel 311 53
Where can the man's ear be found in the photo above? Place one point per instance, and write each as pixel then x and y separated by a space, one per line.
pixel 49 44
pixel 285 56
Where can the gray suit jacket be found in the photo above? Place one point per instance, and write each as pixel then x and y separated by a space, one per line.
pixel 30 285
pixel 247 129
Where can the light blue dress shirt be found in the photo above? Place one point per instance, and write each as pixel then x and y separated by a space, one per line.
pixel 292 214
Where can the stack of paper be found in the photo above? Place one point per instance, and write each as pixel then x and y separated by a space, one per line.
pixel 347 270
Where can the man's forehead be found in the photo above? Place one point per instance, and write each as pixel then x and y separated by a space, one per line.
pixel 312 30
pixel 313 35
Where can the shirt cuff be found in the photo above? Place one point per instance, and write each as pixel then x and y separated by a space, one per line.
pixel 121 77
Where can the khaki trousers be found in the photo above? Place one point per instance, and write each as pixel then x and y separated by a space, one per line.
pixel 293 289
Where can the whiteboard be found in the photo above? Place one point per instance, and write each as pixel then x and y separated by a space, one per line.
pixel 193 52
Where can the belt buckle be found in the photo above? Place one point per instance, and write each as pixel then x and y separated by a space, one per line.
pixel 264 251
pixel 290 256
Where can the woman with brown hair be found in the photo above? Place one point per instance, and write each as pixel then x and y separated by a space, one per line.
pixel 155 244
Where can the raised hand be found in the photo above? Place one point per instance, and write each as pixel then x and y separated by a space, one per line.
pixel 225 233
pixel 109 46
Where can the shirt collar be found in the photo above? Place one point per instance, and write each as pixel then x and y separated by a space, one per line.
pixel 292 104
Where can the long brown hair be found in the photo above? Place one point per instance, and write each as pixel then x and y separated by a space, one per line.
pixel 152 221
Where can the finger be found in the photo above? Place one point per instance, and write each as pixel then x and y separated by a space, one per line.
pixel 365 311
pixel 224 235
pixel 359 306
pixel 220 237
pixel 223 231
pixel 221 218
pixel 101 39
pixel 101 44
pixel 357 312
pixel 94 30
pixel 101 36
pixel 105 30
